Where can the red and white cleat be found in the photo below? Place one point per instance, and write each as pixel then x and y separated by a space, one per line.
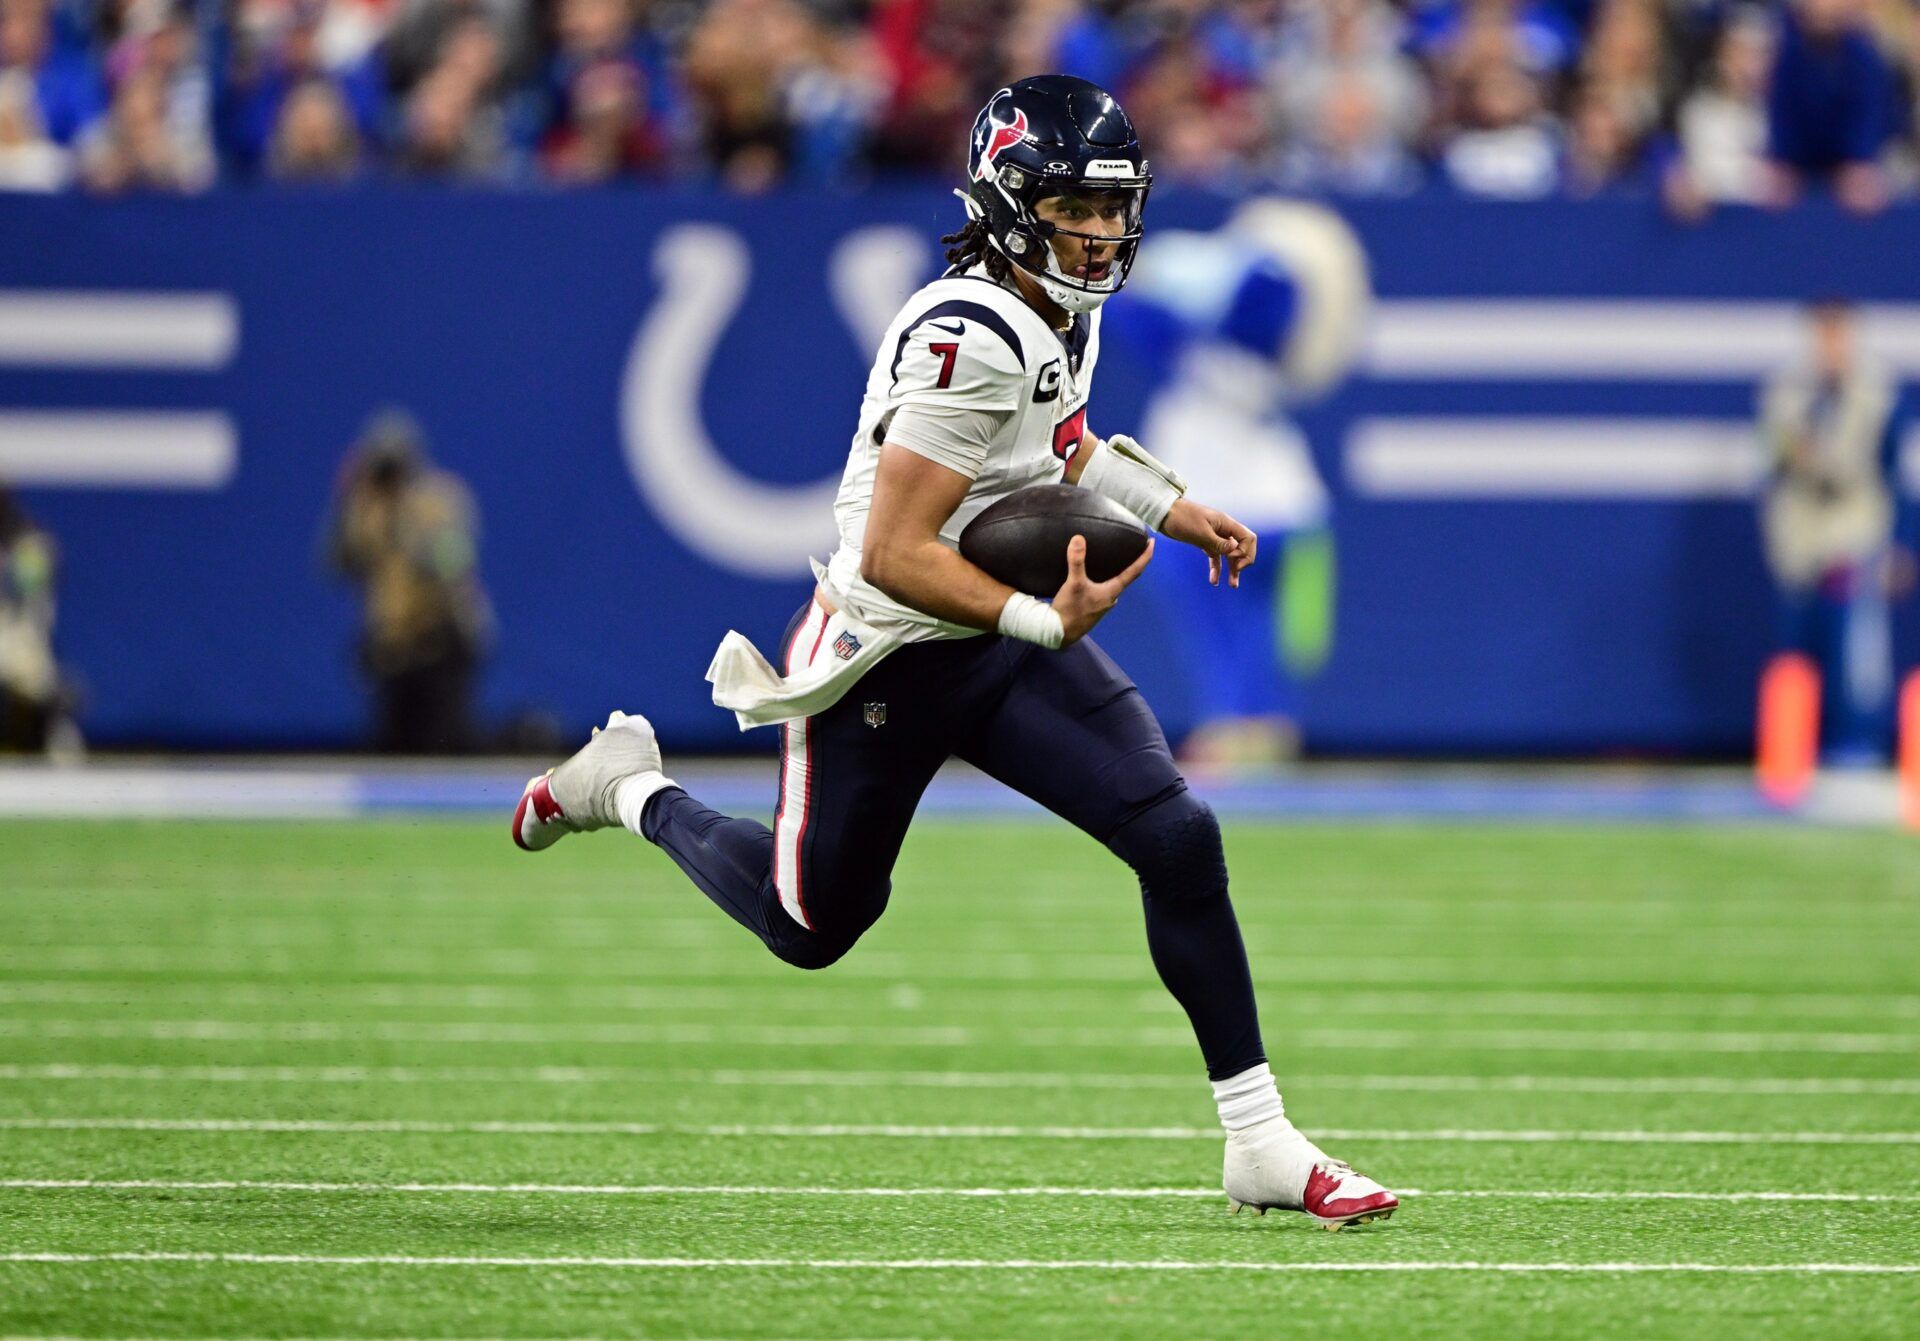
pixel 580 795
pixel 1271 1166
pixel 1336 1196
pixel 538 821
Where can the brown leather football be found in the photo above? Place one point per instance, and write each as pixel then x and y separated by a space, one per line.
pixel 1022 539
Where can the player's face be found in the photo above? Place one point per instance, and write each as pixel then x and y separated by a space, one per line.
pixel 1088 228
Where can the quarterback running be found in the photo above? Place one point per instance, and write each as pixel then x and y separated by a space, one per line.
pixel 908 655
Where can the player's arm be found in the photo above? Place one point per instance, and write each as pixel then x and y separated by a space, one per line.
pixel 902 554
pixel 913 497
pixel 1143 491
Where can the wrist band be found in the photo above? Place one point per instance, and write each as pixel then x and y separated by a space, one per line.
pixel 1133 477
pixel 1031 621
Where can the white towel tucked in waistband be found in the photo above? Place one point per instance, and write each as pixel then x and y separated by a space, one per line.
pixel 746 682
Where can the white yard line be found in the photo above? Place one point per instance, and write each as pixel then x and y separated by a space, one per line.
pixel 828 1131
pixel 730 961
pixel 483 996
pixel 972 1264
pixel 1531 1194
pixel 506 1032
pixel 590 1189
pixel 978 1193
pixel 942 1080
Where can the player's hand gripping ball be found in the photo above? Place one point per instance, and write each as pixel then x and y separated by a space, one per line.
pixel 1022 539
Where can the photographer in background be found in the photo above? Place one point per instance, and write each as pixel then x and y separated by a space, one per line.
pixel 32 706
pixel 406 534
pixel 1830 426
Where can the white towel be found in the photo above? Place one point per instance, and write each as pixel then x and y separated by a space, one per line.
pixel 758 695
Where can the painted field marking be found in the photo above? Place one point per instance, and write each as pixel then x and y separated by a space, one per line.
pixel 889 965
pixel 481 996
pixel 941 1080
pixel 984 1193
pixel 509 1033
pixel 968 1264
pixel 410 1126
pixel 591 1337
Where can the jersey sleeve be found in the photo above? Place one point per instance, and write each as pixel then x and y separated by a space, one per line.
pixel 958 437
pixel 959 355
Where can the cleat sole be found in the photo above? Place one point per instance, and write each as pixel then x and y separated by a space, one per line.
pixel 1364 1218
pixel 1331 1226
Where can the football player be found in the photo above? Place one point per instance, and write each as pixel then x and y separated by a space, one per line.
pixel 907 654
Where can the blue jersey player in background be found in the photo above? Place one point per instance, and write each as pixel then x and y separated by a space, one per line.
pixel 908 655
pixel 1242 326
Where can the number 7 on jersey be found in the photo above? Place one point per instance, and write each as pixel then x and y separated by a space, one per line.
pixel 947 352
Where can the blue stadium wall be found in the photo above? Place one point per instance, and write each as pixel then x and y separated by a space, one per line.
pixel 647 390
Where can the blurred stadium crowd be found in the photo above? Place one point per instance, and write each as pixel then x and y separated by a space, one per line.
pixel 1700 101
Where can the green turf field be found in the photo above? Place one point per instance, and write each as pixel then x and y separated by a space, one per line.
pixel 386 1080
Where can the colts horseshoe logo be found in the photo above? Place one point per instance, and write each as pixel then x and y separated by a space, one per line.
pixel 744 525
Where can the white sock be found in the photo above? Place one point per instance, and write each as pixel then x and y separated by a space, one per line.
pixel 630 797
pixel 1248 1099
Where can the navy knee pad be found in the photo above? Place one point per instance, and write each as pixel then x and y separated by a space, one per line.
pixel 829 942
pixel 806 950
pixel 1174 847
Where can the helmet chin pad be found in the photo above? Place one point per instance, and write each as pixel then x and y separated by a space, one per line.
pixel 1076 295
pixel 1065 295
pixel 1071 297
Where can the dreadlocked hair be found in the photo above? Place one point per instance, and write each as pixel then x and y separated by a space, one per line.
pixel 973 245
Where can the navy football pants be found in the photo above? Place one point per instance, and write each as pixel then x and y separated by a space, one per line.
pixel 1067 728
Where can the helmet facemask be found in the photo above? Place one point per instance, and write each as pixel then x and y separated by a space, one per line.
pixel 1095 223
pixel 1086 236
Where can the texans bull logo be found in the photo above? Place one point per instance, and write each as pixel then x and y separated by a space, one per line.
pixel 996 138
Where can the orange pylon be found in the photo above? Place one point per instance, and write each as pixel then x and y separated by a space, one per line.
pixel 1788 728
pixel 1909 726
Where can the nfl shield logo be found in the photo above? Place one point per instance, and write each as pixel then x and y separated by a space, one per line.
pixel 845 646
pixel 874 713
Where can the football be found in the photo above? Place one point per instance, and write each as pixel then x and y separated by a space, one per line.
pixel 1022 539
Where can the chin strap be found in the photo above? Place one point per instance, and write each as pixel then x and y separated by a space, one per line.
pixel 1126 472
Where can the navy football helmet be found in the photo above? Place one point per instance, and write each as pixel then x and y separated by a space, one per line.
pixel 1055 135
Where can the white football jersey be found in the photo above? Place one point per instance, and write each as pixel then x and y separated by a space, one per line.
pixel 965 342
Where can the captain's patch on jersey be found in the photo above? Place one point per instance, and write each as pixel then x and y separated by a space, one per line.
pixel 1047 386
